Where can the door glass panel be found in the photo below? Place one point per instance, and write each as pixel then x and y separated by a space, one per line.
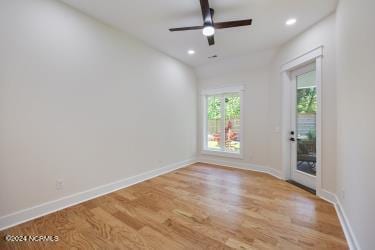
pixel 213 122
pixel 232 123
pixel 306 122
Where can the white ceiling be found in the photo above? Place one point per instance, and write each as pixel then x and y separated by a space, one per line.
pixel 149 20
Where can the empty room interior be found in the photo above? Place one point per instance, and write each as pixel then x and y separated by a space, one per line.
pixel 190 124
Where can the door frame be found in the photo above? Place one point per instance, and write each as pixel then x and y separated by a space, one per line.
pixel 315 55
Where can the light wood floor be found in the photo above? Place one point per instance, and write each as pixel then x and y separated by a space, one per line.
pixel 198 207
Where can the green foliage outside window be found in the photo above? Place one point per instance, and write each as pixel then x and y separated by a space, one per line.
pixel 213 108
pixel 232 107
pixel 306 100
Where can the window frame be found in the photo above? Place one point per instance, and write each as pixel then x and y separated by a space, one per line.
pixel 222 92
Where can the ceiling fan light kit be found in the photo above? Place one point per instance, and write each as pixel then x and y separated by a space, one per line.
pixel 208 27
pixel 208 31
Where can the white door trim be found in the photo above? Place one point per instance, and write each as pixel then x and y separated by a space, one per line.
pixel 302 59
pixel 316 56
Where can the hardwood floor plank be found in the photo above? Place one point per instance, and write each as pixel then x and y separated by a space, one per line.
pixel 201 206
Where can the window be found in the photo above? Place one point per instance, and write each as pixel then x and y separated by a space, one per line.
pixel 223 122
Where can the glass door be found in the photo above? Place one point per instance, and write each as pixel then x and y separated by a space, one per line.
pixel 303 133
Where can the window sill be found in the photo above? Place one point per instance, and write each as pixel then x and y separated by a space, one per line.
pixel 221 154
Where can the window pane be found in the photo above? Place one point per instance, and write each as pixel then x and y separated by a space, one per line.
pixel 306 123
pixel 213 122
pixel 232 123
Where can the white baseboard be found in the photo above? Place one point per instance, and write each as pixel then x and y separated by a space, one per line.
pixel 243 165
pixel 328 196
pixel 348 231
pixel 28 214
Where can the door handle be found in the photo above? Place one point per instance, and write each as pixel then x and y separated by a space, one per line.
pixel 292 139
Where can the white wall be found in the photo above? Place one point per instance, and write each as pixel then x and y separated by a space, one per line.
pixel 321 34
pixel 261 73
pixel 84 103
pixel 356 116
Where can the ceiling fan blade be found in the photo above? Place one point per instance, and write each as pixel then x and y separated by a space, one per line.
pixel 206 12
pixel 232 24
pixel 187 28
pixel 211 40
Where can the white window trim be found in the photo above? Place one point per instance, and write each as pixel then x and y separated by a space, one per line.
pixel 219 91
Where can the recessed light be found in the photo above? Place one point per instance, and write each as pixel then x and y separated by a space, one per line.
pixel 291 21
pixel 191 52
pixel 208 31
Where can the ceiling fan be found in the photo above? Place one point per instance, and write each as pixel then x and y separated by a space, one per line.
pixel 209 26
